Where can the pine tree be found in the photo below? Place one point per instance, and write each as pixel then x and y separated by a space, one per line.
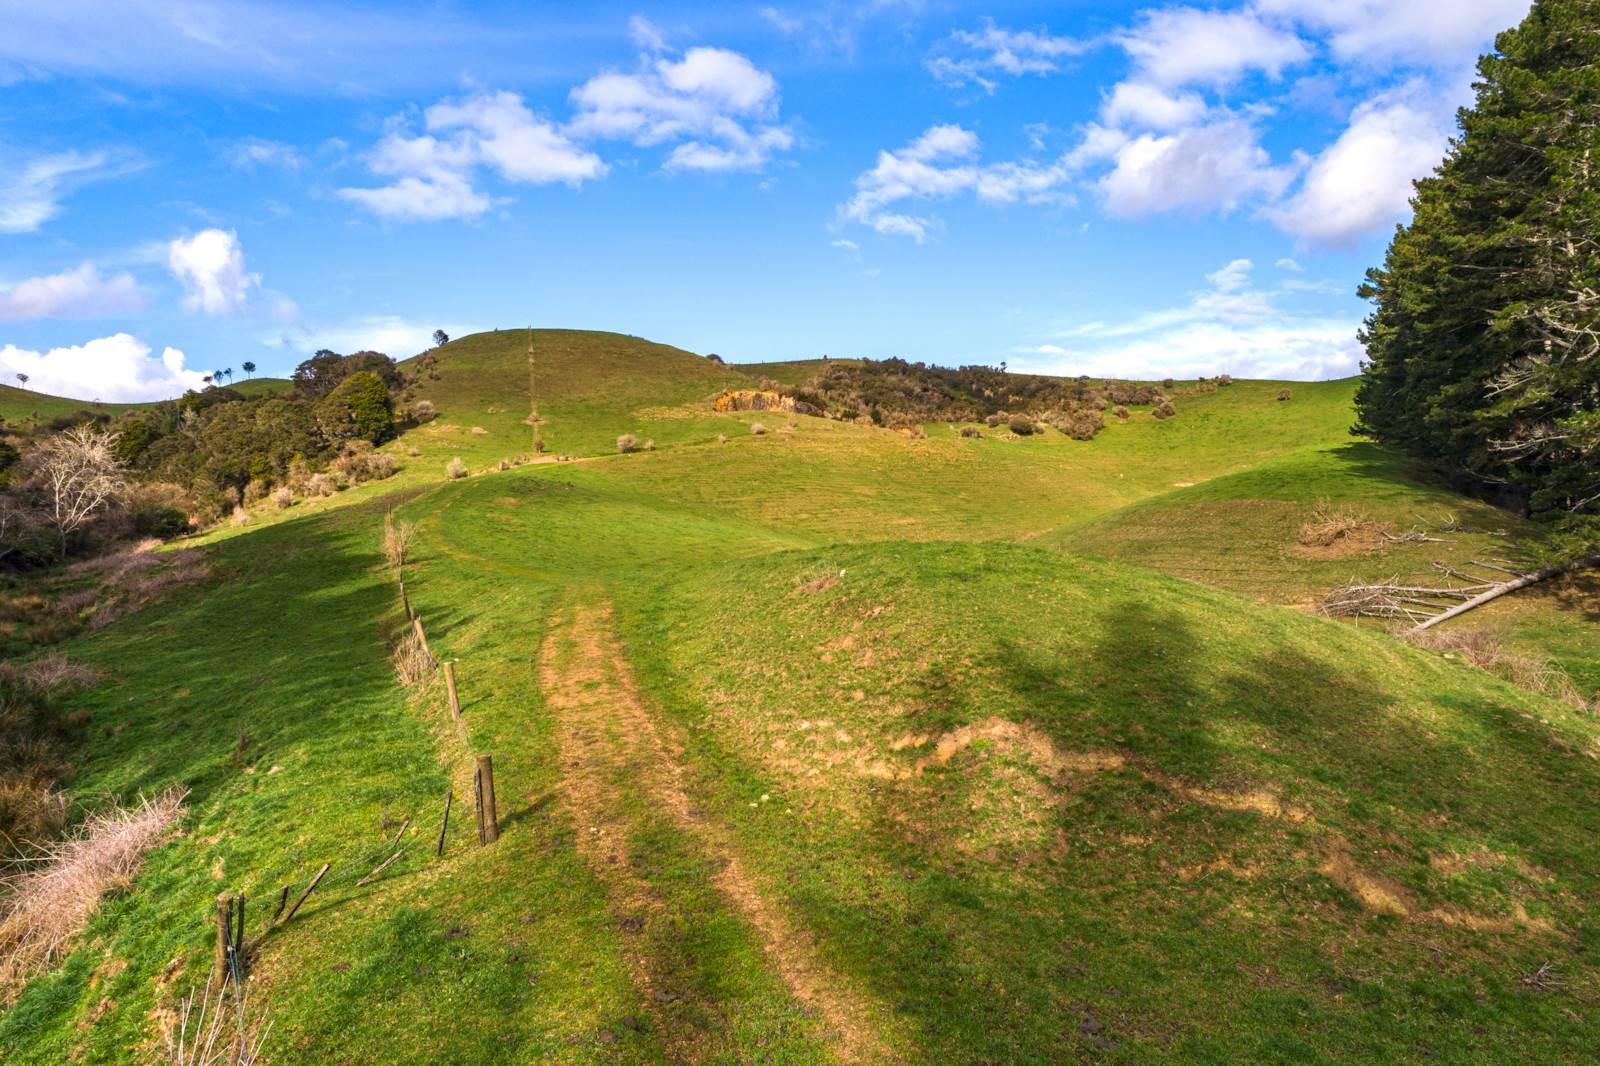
pixel 1483 350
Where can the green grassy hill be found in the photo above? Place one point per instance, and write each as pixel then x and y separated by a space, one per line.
pixel 27 407
pixel 833 745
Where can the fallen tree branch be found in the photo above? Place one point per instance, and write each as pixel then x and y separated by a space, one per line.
pixel 1510 586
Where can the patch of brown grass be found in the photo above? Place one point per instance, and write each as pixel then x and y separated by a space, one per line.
pixel 412 663
pixel 52 899
pixel 1329 527
pixel 1487 651
pixel 397 538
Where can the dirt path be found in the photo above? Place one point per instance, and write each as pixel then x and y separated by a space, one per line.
pixel 606 735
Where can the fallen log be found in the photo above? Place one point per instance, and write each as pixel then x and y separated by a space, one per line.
pixel 1495 593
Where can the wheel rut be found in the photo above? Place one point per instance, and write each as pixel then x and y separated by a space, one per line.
pixel 609 740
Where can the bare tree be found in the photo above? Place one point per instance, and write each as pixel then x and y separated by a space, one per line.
pixel 79 476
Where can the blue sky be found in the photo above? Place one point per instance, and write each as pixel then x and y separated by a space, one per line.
pixel 1112 189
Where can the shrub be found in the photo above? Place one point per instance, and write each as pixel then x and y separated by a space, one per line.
pixel 757 429
pixel 360 464
pixel 158 509
pixel 1283 394
pixel 423 411
pixel 1163 410
pixel 1485 650
pixel 1021 425
pixel 321 485
pixel 51 901
pixel 255 491
pixel 1120 412
pixel 358 407
pixel 971 431
pixel 627 443
pixel 1224 380
pixel 995 419
pixel 239 517
pixel 1083 425
pixel 1166 383
pixel 397 538
pixel 456 469
pixel 282 497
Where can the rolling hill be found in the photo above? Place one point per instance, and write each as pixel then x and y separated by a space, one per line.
pixel 831 744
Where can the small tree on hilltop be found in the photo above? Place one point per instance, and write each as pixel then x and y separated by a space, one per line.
pixel 440 338
pixel 249 368
pixel 79 476
pixel 22 379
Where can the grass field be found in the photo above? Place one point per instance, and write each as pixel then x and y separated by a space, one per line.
pixel 832 745
pixel 24 407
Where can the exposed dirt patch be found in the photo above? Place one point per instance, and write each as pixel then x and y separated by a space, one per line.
pixel 606 735
pixel 1010 737
pixel 1259 800
pixel 1358 538
pixel 1376 893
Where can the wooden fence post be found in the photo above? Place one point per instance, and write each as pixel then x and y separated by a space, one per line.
pixel 219 964
pixel 422 638
pixel 488 820
pixel 404 601
pixel 444 823
pixel 450 686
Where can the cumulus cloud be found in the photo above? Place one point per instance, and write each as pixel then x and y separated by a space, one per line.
pixel 938 165
pixel 1362 181
pixel 1215 166
pixel 31 192
pixel 80 293
pixel 717 108
pixel 1179 46
pixel 1137 104
pixel 210 267
pixel 433 176
pixel 1381 31
pixel 980 56
pixel 115 369
pixel 1228 327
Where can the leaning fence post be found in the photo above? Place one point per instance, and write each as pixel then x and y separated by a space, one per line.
pixel 450 686
pixel 488 821
pixel 422 638
pixel 444 823
pixel 404 601
pixel 307 892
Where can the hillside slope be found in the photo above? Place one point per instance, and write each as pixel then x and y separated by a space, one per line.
pixel 829 744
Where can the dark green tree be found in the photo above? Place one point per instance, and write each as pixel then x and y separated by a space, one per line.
pixel 358 407
pixel 1483 350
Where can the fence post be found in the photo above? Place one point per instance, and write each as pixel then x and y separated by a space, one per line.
pixel 220 965
pixel 422 638
pixel 488 821
pixel 444 823
pixel 405 602
pixel 450 685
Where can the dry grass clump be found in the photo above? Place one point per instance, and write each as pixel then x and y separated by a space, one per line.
pixel 412 663
pixel 1284 394
pixel 456 469
pixel 282 497
pixel 971 431
pixel 1163 410
pixel 627 443
pixel 239 517
pixel 48 675
pixel 722 438
pixel 757 429
pixel 480 431
pixel 1487 651
pixel 397 538
pixel 52 899
pixel 1329 526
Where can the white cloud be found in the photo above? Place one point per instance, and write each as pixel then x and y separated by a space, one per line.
pixel 1178 46
pixel 977 57
pixel 938 165
pixel 114 369
pixel 1289 264
pixel 210 266
pixel 1228 327
pixel 80 293
pixel 31 192
pixel 393 335
pixel 718 108
pixel 434 177
pixel 256 152
pixel 1382 31
pixel 1361 183
pixel 849 246
pixel 646 35
pixel 1137 104
pixel 1215 166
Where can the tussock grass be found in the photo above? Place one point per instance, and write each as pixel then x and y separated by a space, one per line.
pixel 1486 650
pixel 397 538
pixel 1330 525
pixel 412 663
pixel 50 901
